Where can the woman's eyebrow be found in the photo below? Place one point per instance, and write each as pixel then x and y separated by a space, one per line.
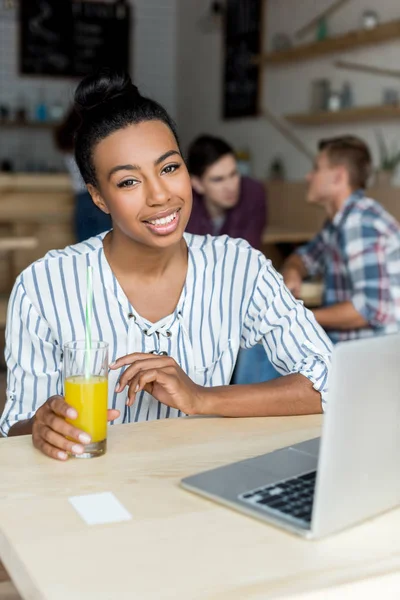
pixel 123 168
pixel 166 155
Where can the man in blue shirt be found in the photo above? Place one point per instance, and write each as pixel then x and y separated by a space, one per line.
pixel 358 250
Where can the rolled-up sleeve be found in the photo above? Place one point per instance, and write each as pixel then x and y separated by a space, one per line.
pixel 293 340
pixel 33 360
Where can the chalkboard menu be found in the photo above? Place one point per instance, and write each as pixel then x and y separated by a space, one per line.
pixel 243 42
pixel 68 38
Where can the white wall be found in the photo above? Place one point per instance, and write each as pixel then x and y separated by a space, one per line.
pixel 155 50
pixel 180 65
pixel 154 71
pixel 286 89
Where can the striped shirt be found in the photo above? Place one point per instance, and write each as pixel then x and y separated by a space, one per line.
pixel 358 254
pixel 232 297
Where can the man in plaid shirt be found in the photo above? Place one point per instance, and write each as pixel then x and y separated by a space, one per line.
pixel 358 250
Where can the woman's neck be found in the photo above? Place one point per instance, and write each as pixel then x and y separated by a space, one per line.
pixel 128 257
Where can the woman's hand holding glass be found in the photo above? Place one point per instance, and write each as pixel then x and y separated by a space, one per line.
pixel 52 435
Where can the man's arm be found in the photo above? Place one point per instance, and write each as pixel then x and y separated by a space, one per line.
pixel 293 272
pixel 308 260
pixel 295 262
pixel 341 316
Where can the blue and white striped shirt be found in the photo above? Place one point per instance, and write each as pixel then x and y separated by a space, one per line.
pixel 232 297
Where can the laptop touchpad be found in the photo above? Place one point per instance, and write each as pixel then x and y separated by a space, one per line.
pixel 288 462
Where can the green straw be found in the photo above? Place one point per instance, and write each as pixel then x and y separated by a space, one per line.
pixel 88 322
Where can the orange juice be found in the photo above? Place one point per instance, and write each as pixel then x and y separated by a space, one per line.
pixel 89 397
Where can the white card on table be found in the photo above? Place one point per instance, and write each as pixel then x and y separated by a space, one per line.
pixel 96 509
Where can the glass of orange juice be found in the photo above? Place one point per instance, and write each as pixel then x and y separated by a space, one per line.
pixel 86 390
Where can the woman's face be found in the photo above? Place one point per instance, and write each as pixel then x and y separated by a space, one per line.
pixel 143 183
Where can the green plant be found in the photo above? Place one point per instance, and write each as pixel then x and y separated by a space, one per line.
pixel 389 157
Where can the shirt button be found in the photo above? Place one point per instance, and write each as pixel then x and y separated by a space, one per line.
pixel 168 334
pixel 131 316
pixel 163 353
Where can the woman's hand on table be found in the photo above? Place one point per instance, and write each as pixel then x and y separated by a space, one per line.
pixel 50 430
pixel 161 377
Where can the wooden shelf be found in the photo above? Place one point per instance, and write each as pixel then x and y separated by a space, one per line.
pixel 28 124
pixel 348 41
pixel 348 115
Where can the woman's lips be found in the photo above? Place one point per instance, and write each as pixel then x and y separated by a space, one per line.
pixel 165 225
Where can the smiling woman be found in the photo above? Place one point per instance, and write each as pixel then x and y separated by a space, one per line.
pixel 173 307
pixel 150 198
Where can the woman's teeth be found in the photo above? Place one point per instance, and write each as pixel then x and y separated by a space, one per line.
pixel 164 220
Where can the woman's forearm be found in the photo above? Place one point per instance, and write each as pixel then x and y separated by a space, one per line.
pixel 289 395
pixel 21 428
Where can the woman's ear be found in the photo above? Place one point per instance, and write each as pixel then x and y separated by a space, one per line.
pixel 97 198
pixel 197 185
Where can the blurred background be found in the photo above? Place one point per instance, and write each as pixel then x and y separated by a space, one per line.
pixel 272 77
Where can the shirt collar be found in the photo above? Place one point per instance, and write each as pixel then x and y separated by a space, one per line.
pixel 347 206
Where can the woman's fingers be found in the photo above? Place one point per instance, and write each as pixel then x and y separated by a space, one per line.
pixel 52 434
pixel 129 359
pixel 59 425
pixel 112 414
pixel 60 442
pixel 56 438
pixel 145 380
pixel 151 362
pixel 50 450
pixel 58 405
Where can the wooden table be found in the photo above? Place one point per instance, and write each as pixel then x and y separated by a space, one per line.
pixel 177 545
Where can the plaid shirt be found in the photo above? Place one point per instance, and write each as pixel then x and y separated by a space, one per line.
pixel 358 254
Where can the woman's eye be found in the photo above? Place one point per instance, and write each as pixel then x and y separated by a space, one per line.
pixel 170 168
pixel 127 183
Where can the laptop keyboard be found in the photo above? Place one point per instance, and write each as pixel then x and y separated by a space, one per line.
pixel 293 497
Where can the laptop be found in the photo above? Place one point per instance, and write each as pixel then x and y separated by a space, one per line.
pixel 351 473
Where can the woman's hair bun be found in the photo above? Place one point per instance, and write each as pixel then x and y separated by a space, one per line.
pixel 102 87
